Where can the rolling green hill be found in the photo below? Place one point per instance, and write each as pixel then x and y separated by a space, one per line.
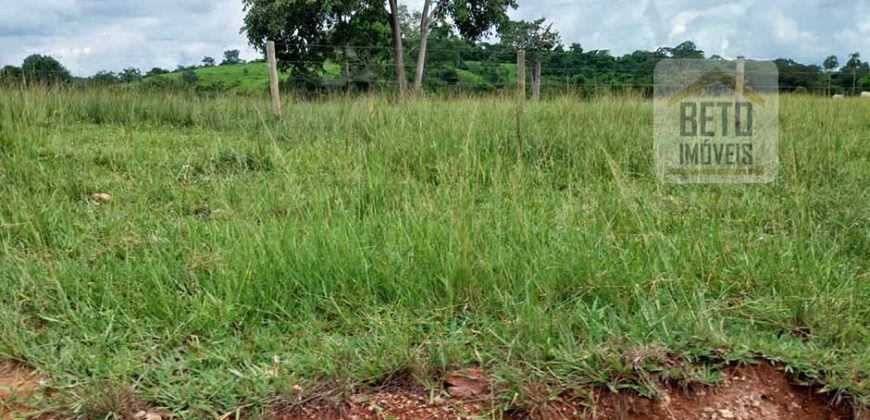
pixel 246 77
pixel 254 76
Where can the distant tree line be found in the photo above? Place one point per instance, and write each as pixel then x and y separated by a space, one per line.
pixel 355 52
pixel 44 69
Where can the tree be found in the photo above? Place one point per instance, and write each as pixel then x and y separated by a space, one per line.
pixel 130 75
pixel 472 18
pixel 533 38
pixel 104 78
pixel 830 64
pixel 156 71
pixel 208 61
pixel 231 57
pixel 854 64
pixel 794 76
pixel 398 51
pixel 44 69
pixel 687 49
pixel 10 75
pixel 189 77
pixel 359 22
pixel 299 30
pixel 308 33
pixel 425 19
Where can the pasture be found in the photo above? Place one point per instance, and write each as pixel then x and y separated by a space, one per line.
pixel 244 263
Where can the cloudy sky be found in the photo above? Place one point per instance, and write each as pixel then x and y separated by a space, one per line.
pixel 92 35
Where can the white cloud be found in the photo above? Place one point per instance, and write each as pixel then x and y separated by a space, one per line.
pixel 680 21
pixel 788 30
pixel 92 35
pixel 763 30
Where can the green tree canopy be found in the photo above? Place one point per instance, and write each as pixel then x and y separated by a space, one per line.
pixel 532 36
pixel 831 63
pixel 44 69
pixel 104 78
pixel 10 75
pixel 156 71
pixel 475 18
pixel 686 49
pixel 854 61
pixel 308 33
pixel 189 77
pixel 230 57
pixel 130 75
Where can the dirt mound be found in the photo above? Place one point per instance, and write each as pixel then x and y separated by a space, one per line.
pixel 745 393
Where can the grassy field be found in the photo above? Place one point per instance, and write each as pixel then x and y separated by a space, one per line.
pixel 243 262
pixel 242 78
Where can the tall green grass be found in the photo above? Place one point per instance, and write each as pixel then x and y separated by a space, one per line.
pixel 355 242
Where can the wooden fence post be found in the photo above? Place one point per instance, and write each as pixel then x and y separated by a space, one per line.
pixel 739 87
pixel 521 75
pixel 273 78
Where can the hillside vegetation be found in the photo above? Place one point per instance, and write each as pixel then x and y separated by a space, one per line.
pixel 247 77
pixel 254 77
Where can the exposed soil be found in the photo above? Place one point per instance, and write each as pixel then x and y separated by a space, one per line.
pixel 392 403
pixel 16 385
pixel 745 393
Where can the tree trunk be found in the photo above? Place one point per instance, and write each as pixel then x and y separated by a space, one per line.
pixel 424 43
pixel 536 80
pixel 346 73
pixel 399 54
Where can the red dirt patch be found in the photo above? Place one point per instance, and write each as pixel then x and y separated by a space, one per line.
pixel 745 393
pixel 391 403
pixel 16 385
